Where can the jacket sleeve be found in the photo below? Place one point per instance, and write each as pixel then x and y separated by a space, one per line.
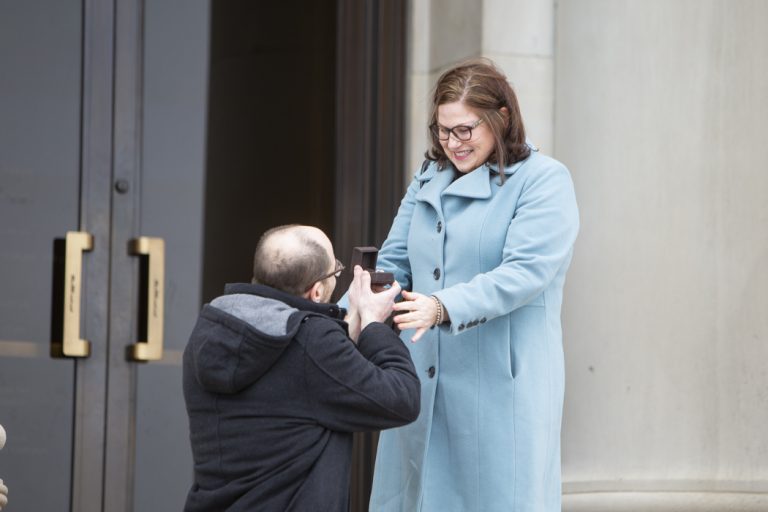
pixel 371 386
pixel 538 243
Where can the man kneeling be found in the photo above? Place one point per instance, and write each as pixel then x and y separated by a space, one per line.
pixel 276 380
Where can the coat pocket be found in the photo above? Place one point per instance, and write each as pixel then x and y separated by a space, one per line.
pixel 511 348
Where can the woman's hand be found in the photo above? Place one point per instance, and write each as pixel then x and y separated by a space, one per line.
pixel 421 313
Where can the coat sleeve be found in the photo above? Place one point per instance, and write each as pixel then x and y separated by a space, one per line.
pixel 538 243
pixel 393 256
pixel 371 386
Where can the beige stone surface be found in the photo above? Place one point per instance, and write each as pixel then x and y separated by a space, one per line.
pixel 517 35
pixel 456 31
pixel 661 114
pixel 532 78
pixel 419 36
pixel 665 502
pixel 419 99
pixel 520 27
pixel 660 110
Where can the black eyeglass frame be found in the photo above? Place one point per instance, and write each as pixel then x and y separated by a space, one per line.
pixel 336 272
pixel 435 129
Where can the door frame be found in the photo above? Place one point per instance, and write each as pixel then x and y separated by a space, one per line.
pixel 126 162
pixel 370 152
pixel 95 210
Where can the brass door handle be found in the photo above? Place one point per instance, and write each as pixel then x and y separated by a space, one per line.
pixel 154 248
pixel 76 242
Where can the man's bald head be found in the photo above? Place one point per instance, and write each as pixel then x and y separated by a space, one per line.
pixel 291 258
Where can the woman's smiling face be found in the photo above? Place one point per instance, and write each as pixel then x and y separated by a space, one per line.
pixel 467 155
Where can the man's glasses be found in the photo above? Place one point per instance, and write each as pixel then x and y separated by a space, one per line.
pixel 336 273
pixel 462 132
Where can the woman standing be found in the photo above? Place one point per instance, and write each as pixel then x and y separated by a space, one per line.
pixel 483 239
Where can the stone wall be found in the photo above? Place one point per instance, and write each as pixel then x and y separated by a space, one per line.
pixel 660 110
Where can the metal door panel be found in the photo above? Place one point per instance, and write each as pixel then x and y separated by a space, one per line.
pixel 173 143
pixel 160 76
pixel 40 105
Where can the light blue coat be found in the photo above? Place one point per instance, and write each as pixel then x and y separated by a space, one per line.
pixel 488 436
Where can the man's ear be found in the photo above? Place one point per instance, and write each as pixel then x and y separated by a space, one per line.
pixel 315 293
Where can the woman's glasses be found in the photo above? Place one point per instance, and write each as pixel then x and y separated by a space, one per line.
pixel 462 132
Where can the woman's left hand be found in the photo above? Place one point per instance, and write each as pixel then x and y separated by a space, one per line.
pixel 420 313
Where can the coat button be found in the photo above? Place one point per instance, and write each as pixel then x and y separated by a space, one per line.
pixel 461 327
pixel 436 274
pixel 431 372
pixel 439 226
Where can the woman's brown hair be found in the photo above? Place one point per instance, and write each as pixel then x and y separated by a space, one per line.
pixel 483 88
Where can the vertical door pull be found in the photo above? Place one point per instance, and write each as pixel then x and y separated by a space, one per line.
pixel 154 249
pixel 77 242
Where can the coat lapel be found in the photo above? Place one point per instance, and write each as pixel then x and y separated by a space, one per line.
pixel 474 185
pixel 433 183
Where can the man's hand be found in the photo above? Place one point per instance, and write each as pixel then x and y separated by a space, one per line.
pixel 371 306
pixel 353 311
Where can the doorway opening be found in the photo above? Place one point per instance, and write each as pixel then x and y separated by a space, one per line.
pixel 271 128
pixel 306 123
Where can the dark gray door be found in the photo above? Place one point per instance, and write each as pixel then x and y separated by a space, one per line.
pixel 54 113
pixel 102 108
pixel 159 150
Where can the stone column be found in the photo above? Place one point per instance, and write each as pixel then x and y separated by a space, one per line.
pixel 662 117
pixel 518 35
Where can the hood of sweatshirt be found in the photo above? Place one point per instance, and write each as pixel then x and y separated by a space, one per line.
pixel 239 336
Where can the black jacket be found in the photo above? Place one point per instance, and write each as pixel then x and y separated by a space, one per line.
pixel 274 388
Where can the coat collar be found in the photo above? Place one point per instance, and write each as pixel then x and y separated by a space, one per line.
pixel 436 184
pixel 432 183
pixel 475 185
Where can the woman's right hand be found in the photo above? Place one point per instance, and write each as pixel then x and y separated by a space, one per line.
pixel 418 312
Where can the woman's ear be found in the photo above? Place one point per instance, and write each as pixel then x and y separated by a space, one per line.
pixel 504 114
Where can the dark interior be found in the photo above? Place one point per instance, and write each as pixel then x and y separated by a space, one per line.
pixel 271 128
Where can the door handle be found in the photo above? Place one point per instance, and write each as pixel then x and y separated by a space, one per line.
pixel 76 243
pixel 154 249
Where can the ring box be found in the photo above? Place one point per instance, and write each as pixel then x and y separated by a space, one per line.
pixel 366 257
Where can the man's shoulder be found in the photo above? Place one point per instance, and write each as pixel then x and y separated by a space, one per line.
pixel 317 327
